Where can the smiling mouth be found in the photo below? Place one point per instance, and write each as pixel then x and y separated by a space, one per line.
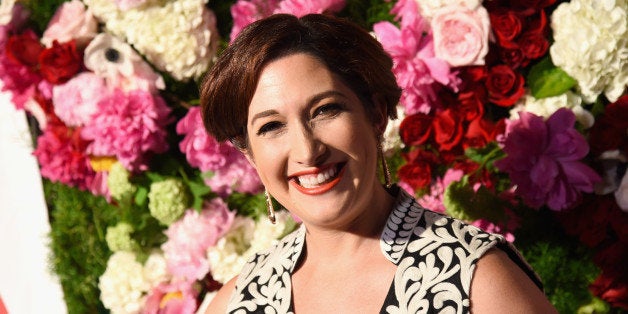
pixel 320 182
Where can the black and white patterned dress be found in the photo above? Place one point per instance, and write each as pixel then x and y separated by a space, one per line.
pixel 435 257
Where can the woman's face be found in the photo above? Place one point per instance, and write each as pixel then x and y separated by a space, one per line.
pixel 312 143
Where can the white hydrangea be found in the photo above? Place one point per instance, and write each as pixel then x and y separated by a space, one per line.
pixel 123 286
pixel 545 107
pixel 428 7
pixel 156 269
pixel 591 45
pixel 245 238
pixel 392 140
pixel 178 37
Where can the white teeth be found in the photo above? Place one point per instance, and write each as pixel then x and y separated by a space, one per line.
pixel 312 180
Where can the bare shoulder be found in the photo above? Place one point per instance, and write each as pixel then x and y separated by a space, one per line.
pixel 500 286
pixel 219 303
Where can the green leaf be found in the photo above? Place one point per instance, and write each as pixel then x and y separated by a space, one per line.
pixel 485 156
pixel 249 205
pixel 141 196
pixel 199 190
pixel 462 202
pixel 547 80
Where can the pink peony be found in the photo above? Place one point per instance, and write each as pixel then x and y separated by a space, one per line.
pixel 171 298
pixel 191 236
pixel 77 100
pixel 71 21
pixel 231 170
pixel 245 12
pixel 543 160
pixel 61 156
pixel 128 126
pixel 419 72
pixel 461 35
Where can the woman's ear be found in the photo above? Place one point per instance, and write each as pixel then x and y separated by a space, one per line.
pixel 380 117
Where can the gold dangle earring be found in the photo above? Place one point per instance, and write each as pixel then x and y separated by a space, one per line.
pixel 269 207
pixel 380 150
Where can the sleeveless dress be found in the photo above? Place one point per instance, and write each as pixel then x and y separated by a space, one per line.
pixel 435 257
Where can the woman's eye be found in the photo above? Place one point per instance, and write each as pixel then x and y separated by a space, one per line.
pixel 327 110
pixel 269 127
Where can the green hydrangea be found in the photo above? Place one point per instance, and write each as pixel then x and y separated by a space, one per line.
pixel 119 237
pixel 167 200
pixel 118 182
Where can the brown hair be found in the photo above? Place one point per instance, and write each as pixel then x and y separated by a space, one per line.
pixel 345 48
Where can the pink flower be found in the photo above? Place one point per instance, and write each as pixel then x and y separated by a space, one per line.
pixel 61 156
pixel 245 12
pixel 434 200
pixel 172 298
pixel 191 236
pixel 231 170
pixel 128 126
pixel 461 35
pixel 71 21
pixel 77 100
pixel 419 72
pixel 543 160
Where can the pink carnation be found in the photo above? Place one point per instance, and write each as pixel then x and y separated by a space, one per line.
pixel 128 126
pixel 61 156
pixel 245 12
pixel 434 200
pixel 231 170
pixel 419 73
pixel 543 160
pixel 190 237
pixel 77 100
pixel 172 298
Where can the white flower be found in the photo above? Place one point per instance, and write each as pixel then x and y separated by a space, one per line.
pixel 428 7
pixel 155 269
pixel 621 194
pixel 178 37
pixel 245 238
pixel 114 60
pixel 591 45
pixel 545 107
pixel 123 286
pixel 392 140
pixel 232 251
pixel 6 11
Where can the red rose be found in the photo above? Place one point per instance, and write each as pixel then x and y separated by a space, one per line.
pixel 617 113
pixel 471 103
pixel 504 85
pixel 610 129
pixel 447 129
pixel 60 62
pixel 513 56
pixel 24 48
pixel 612 284
pixel 417 174
pixel 506 25
pixel 533 45
pixel 479 133
pixel 533 4
pixel 416 129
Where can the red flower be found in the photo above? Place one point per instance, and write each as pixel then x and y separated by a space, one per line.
pixel 416 129
pixel 480 132
pixel 610 129
pixel 612 284
pixel 533 45
pixel 417 174
pixel 506 25
pixel 447 129
pixel 60 62
pixel 472 103
pixel 24 48
pixel 504 85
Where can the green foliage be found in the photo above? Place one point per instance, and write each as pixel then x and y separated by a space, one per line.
pixel 564 265
pixel 41 12
pixel 253 206
pixel 462 202
pixel 547 80
pixel 367 13
pixel 78 245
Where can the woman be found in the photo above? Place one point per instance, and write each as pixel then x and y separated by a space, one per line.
pixel 307 100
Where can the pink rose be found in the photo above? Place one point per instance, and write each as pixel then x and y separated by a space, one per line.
pixel 461 35
pixel 71 21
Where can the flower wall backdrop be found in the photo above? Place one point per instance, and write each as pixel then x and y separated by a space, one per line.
pixel 514 117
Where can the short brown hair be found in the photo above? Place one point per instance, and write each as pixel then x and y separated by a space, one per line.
pixel 344 47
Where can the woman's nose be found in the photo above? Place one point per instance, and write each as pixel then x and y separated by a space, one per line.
pixel 306 148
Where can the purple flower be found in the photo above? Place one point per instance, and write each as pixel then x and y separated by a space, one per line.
pixel 543 160
pixel 128 126
pixel 231 170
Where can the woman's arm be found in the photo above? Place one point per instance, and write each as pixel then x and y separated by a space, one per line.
pixel 500 286
pixel 220 301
